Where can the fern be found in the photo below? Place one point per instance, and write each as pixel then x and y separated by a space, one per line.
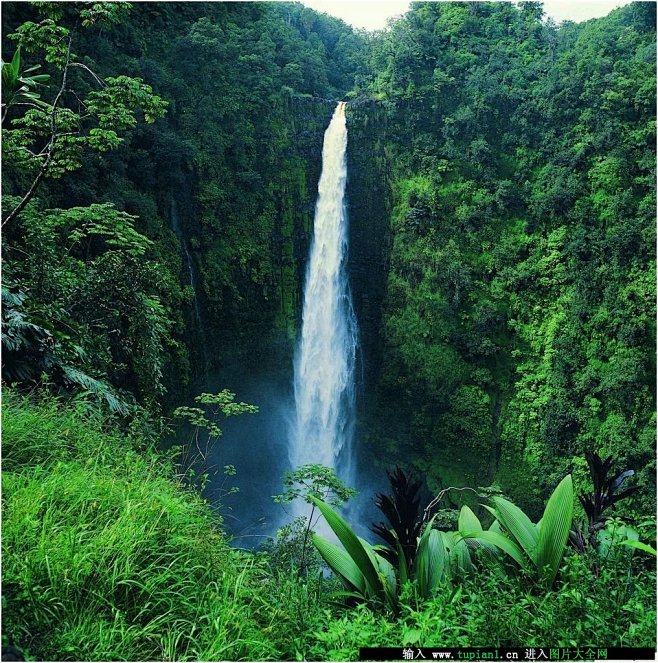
pixel 97 388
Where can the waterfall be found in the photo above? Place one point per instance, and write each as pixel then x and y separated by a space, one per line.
pixel 323 427
pixel 189 264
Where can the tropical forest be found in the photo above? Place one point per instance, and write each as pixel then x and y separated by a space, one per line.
pixel 325 343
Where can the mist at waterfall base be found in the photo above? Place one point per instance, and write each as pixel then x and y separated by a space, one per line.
pixel 257 445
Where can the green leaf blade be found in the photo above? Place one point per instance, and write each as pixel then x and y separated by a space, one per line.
pixel 638 545
pixel 500 541
pixel 353 546
pixel 468 521
pixel 430 562
pixel 518 525
pixel 340 563
pixel 554 531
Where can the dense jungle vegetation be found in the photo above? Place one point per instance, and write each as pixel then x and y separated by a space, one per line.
pixel 160 167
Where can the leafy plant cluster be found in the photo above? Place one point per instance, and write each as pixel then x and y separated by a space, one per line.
pixel 518 328
pixel 442 557
pixel 451 568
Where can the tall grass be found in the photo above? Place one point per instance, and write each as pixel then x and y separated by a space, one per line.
pixel 106 558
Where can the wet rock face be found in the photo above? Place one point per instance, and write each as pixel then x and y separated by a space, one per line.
pixel 258 319
pixel 263 328
pixel 369 207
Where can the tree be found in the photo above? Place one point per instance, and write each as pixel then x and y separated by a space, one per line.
pixel 47 137
pixel 309 483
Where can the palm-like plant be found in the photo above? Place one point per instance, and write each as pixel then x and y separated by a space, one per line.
pixel 402 510
pixel 536 547
pixel 605 494
pixel 365 573
pixel 18 87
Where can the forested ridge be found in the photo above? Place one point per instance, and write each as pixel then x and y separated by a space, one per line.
pixel 160 169
pixel 519 317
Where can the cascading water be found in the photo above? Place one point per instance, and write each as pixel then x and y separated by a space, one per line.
pixel 189 263
pixel 325 358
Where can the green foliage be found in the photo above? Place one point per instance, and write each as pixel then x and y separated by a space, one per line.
pixel 638 545
pixel 311 484
pixel 18 87
pixel 106 556
pixel 518 327
pixel 443 558
pixel 543 544
pixel 90 283
pixel 223 402
pixel 314 482
pixel 95 308
pixel 49 139
pixel 366 574
pixel 488 610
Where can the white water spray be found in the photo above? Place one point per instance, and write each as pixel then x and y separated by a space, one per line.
pixel 325 357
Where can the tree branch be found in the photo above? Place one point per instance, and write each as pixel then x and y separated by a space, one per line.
pixel 50 146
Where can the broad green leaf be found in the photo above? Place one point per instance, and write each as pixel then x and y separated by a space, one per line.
pixel 518 525
pixel 402 562
pixel 16 62
pixel 430 561
pixel 468 521
pixel 640 546
pixel 352 545
pixel 555 526
pixel 340 563
pixel 631 534
pixel 500 541
pixel 495 527
pixel 385 571
pixel 460 559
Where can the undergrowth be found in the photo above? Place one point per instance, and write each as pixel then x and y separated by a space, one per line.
pixel 108 556
pixel 105 557
pixel 616 608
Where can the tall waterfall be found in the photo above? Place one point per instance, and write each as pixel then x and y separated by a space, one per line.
pixel 325 357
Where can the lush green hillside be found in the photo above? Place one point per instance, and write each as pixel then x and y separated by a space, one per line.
pixel 519 322
pixel 160 167
pixel 107 556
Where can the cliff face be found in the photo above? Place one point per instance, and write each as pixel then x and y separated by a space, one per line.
pixel 369 209
pixel 253 276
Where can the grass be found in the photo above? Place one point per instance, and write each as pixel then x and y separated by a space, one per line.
pixel 106 556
